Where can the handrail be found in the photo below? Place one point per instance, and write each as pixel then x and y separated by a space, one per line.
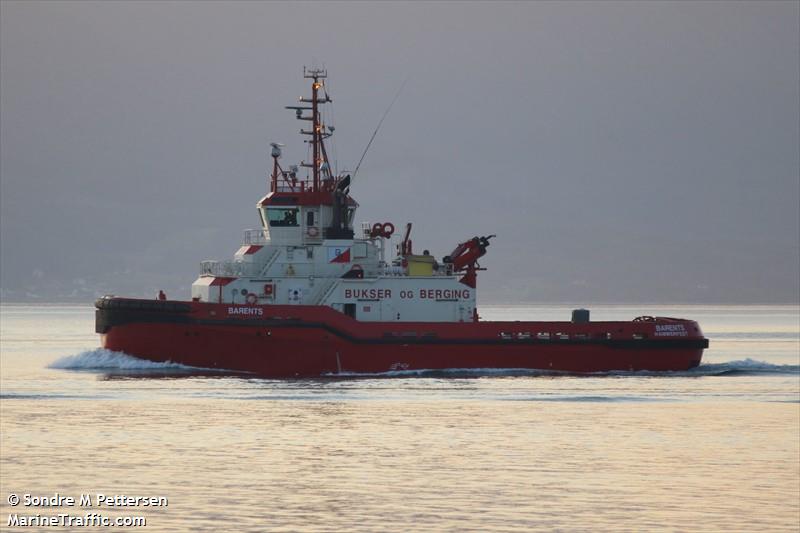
pixel 227 269
pixel 327 291
pixel 269 263
pixel 254 236
pixel 298 186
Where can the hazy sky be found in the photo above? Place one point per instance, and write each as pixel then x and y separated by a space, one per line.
pixel 622 152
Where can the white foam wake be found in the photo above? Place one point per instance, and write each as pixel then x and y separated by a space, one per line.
pixel 101 359
pixel 744 367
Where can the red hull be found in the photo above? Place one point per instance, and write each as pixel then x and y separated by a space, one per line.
pixel 294 341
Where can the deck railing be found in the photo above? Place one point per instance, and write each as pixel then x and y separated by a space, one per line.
pixel 300 186
pixel 254 236
pixel 390 271
pixel 228 269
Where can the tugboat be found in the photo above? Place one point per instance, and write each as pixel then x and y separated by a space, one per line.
pixel 307 295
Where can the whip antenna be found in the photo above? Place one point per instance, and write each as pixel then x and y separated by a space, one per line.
pixel 378 127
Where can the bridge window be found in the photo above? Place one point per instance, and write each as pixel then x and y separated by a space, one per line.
pixel 282 216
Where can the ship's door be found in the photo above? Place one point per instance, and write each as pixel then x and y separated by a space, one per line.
pixel 350 310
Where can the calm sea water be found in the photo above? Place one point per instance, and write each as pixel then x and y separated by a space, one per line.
pixel 716 448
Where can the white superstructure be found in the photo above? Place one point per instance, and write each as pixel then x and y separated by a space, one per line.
pixel 307 252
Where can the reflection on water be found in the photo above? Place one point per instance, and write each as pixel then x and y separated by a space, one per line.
pixel 715 448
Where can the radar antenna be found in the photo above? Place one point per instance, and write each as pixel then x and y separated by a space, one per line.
pixel 276 167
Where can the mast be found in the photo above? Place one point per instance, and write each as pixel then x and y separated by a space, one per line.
pixel 326 188
pixel 316 140
pixel 319 164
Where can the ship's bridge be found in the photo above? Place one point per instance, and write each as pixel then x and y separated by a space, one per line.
pixel 306 217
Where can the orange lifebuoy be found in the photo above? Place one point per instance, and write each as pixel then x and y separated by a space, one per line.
pixel 387 229
pixel 312 231
pixel 252 298
pixel 268 288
